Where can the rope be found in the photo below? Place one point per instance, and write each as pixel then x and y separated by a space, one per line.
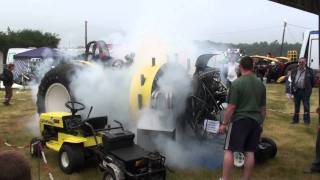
pixel 273 110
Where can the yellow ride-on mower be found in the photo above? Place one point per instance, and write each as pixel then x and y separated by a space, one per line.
pixel 75 139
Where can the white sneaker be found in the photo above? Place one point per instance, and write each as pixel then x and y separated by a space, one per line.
pixel 238 159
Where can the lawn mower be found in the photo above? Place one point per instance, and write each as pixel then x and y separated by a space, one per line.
pixel 76 139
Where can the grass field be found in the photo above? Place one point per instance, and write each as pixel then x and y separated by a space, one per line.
pixel 296 143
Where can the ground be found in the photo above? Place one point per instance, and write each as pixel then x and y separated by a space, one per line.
pixel 296 143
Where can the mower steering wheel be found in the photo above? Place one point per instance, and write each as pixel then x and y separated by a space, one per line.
pixel 75 106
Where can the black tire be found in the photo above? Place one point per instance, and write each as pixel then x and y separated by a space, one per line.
pixel 34 147
pixel 109 174
pixel 272 144
pixel 71 158
pixel 60 74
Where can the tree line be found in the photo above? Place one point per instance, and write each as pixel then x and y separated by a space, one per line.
pixel 257 48
pixel 26 38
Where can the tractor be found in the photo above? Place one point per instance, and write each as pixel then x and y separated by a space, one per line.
pixel 76 139
pixel 187 110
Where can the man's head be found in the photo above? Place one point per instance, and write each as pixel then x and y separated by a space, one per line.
pixel 246 64
pixel 10 67
pixel 302 62
pixel 14 166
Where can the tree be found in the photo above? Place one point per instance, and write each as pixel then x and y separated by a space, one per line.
pixel 26 38
pixel 257 48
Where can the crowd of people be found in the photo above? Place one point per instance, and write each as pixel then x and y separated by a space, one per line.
pixel 246 110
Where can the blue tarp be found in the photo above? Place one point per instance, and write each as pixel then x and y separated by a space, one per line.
pixel 43 52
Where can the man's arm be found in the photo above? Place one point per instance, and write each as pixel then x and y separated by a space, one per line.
pixel 227 117
pixel 228 114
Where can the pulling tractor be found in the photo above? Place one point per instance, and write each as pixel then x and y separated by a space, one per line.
pixel 75 139
pixel 204 101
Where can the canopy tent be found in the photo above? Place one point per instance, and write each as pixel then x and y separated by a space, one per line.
pixel 27 62
pixel 42 53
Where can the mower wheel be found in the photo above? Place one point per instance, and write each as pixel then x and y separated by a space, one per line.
pixel 109 174
pixel 34 147
pixel 71 158
pixel 272 144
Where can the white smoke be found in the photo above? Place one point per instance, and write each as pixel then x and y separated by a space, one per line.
pixel 41 68
pixel 161 30
pixel 185 151
pixel 105 89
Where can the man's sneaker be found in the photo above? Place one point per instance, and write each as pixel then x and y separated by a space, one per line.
pixel 6 103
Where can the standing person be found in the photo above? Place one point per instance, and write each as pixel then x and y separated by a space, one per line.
pixel 14 166
pixel 288 85
pixel 232 70
pixel 302 83
pixel 245 114
pixel 315 166
pixel 7 82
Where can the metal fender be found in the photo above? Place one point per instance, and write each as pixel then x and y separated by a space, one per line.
pixel 141 87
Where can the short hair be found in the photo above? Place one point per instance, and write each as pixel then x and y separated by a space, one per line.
pixel 10 65
pixel 302 58
pixel 14 166
pixel 246 63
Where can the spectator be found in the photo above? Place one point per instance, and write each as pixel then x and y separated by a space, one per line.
pixel 315 167
pixel 232 70
pixel 14 166
pixel 245 113
pixel 7 78
pixel 288 85
pixel 302 83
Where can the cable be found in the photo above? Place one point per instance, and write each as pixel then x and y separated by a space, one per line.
pixel 298 26
pixel 248 30
pixel 291 35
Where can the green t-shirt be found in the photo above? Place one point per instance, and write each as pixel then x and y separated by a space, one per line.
pixel 248 94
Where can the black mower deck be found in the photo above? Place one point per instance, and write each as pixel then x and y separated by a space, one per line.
pixel 130 153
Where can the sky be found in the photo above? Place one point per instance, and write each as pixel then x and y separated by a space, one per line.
pixel 118 21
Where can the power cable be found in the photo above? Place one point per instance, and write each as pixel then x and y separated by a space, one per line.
pixel 298 26
pixel 291 35
pixel 249 30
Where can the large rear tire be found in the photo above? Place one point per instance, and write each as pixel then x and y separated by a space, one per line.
pixel 71 158
pixel 54 88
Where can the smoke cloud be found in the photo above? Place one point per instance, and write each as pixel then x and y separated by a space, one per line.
pixel 106 89
pixel 160 30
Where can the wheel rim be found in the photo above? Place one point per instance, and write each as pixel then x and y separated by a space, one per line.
pixel 64 159
pixel 108 177
pixel 56 96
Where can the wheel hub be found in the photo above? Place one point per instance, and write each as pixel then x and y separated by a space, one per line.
pixel 55 98
pixel 64 159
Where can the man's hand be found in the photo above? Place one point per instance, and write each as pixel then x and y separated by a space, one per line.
pixel 222 128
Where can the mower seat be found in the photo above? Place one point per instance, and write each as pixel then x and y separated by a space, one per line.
pixel 96 122
pixel 112 141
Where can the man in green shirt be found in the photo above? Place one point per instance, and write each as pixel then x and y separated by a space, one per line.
pixel 245 114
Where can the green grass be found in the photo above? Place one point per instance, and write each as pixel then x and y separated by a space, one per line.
pixel 296 143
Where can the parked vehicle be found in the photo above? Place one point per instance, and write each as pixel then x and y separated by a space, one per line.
pixel 310 50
